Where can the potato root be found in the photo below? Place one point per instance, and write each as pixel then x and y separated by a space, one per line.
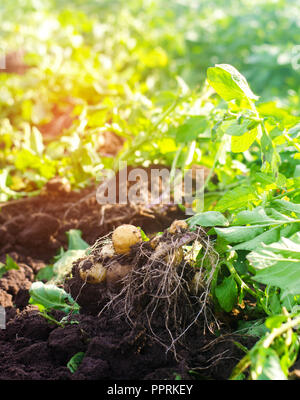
pixel 196 284
pixel 151 283
pixel 174 256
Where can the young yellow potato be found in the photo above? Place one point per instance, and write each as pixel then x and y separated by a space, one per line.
pixel 177 226
pixel 116 272
pixel 95 274
pixel 107 251
pixel 124 237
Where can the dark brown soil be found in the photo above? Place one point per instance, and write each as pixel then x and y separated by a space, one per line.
pixel 33 349
pixel 36 227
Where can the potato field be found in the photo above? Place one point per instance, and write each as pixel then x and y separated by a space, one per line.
pixel 149 191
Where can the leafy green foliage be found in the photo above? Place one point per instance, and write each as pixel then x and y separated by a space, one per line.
pixel 45 274
pixel 227 293
pixel 75 361
pixel 239 197
pixel 250 228
pixel 49 297
pixel 273 355
pixel 255 328
pixel 190 130
pixel 138 87
pixel 208 218
pixel 75 242
pixel 76 249
pixel 278 264
pixel 9 265
pixel 229 83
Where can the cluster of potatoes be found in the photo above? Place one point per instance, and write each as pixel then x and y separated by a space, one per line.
pixel 123 238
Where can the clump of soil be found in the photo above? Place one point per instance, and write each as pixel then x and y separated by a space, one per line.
pixel 31 348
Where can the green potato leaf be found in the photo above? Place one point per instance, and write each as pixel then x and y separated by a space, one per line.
pixel 242 143
pixel 45 274
pixel 229 83
pixel 267 365
pixel 75 361
pixel 239 197
pixel 267 237
pixel 191 129
pixel 238 234
pixel 9 265
pixel 256 216
pixel 278 264
pixel 227 293
pixel 49 297
pixel 75 241
pixel 237 127
pixel 287 205
pixel 208 218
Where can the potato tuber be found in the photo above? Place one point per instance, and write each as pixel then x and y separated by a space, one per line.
pixel 116 272
pixel 124 237
pixel 177 226
pixel 107 251
pixel 95 273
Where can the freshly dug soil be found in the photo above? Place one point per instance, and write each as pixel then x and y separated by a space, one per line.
pixel 36 227
pixel 31 348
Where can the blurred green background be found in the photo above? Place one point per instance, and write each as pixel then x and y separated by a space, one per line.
pixel 84 69
pixel 261 38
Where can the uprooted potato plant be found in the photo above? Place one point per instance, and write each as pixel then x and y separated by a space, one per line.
pixel 161 284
